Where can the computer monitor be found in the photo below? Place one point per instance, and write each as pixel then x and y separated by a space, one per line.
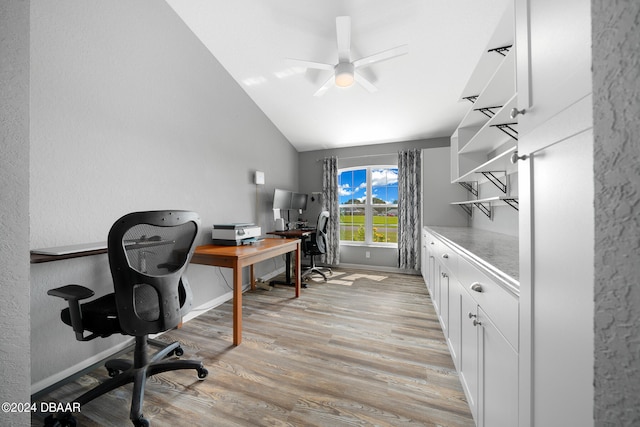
pixel 298 201
pixel 282 199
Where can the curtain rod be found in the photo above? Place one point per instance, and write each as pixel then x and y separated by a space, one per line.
pixel 361 157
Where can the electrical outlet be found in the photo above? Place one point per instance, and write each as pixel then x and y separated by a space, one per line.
pixel 367 254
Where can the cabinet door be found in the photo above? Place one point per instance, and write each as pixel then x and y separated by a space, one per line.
pixel 557 289
pixel 432 273
pixel 553 58
pixel 498 377
pixel 444 300
pixel 455 320
pixel 424 265
pixel 469 351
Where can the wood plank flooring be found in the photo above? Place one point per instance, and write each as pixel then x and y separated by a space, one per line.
pixel 365 349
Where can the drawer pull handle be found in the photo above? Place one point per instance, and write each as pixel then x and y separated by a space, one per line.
pixel 476 323
pixel 445 256
pixel 432 243
pixel 477 287
pixel 471 315
pixel 444 275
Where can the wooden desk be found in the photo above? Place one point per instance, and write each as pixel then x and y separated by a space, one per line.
pixel 237 257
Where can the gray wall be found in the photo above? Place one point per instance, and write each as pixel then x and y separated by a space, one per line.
pixel 310 170
pixel 616 73
pixel 14 208
pixel 130 112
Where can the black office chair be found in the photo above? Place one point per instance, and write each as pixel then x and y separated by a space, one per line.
pixel 148 254
pixel 316 245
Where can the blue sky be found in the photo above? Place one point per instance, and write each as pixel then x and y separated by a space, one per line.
pixel 352 184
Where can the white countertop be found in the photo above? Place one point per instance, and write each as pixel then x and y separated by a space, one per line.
pixel 496 250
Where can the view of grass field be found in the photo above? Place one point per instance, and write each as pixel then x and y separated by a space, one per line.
pixel 385 228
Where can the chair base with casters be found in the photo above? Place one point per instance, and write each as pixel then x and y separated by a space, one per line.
pixel 315 269
pixel 148 255
pixel 123 371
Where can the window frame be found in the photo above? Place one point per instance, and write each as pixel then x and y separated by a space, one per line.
pixel 369 207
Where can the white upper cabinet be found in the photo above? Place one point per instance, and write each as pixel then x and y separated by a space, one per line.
pixel 553 63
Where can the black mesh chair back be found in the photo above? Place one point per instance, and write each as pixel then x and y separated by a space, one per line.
pixel 316 245
pixel 321 232
pixel 148 254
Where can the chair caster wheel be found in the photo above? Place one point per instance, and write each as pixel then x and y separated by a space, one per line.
pixel 178 351
pixel 66 421
pixel 113 372
pixel 202 373
pixel 141 422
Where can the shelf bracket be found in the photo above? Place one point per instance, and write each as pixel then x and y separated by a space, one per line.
pixel 485 208
pixel 502 186
pixel 513 203
pixel 488 111
pixel 503 50
pixel 468 209
pixel 471 99
pixel 471 187
pixel 508 129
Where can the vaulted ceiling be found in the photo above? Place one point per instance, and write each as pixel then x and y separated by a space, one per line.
pixel 418 93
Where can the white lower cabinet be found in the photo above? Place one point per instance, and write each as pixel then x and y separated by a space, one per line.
pixel 498 376
pixel 479 319
pixel 468 369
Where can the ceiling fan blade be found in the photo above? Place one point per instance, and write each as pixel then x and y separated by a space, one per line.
pixel 343 33
pixel 364 82
pixel 381 56
pixel 311 64
pixel 325 86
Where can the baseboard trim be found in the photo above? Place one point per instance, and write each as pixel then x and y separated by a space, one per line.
pixel 378 268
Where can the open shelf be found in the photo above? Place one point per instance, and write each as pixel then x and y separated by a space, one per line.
pixel 489 137
pixel 485 205
pixel 501 162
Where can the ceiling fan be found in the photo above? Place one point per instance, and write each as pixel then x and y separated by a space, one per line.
pixel 346 70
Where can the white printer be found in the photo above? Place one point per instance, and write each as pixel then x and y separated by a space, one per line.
pixel 235 234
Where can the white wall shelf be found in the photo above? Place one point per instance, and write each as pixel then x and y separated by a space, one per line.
pixel 486 205
pixel 487 131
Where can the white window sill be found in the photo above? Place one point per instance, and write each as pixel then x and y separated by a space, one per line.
pixel 370 245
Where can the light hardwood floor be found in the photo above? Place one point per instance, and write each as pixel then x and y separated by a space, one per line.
pixel 365 349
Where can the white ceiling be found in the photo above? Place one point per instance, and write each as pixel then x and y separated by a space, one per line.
pixel 418 94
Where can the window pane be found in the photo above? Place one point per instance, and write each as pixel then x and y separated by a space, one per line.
pixel 385 224
pixel 384 186
pixel 352 186
pixel 352 224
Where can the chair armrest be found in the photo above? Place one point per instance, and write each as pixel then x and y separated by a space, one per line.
pixel 71 292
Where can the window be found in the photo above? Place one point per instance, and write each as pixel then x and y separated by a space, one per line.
pixel 369 205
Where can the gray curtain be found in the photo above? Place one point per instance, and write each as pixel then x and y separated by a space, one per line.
pixel 330 203
pixel 409 235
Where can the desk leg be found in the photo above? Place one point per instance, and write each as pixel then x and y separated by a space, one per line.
pixel 253 278
pixel 237 303
pixel 297 269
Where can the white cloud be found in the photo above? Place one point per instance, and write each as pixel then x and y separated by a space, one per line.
pixel 381 177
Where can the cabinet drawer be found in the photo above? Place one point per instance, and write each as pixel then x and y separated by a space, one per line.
pixel 499 304
pixel 447 257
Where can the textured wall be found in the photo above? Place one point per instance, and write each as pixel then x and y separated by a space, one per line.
pixel 129 111
pixel 14 208
pixel 616 88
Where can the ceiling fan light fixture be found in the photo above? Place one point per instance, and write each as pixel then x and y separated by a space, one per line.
pixel 344 74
